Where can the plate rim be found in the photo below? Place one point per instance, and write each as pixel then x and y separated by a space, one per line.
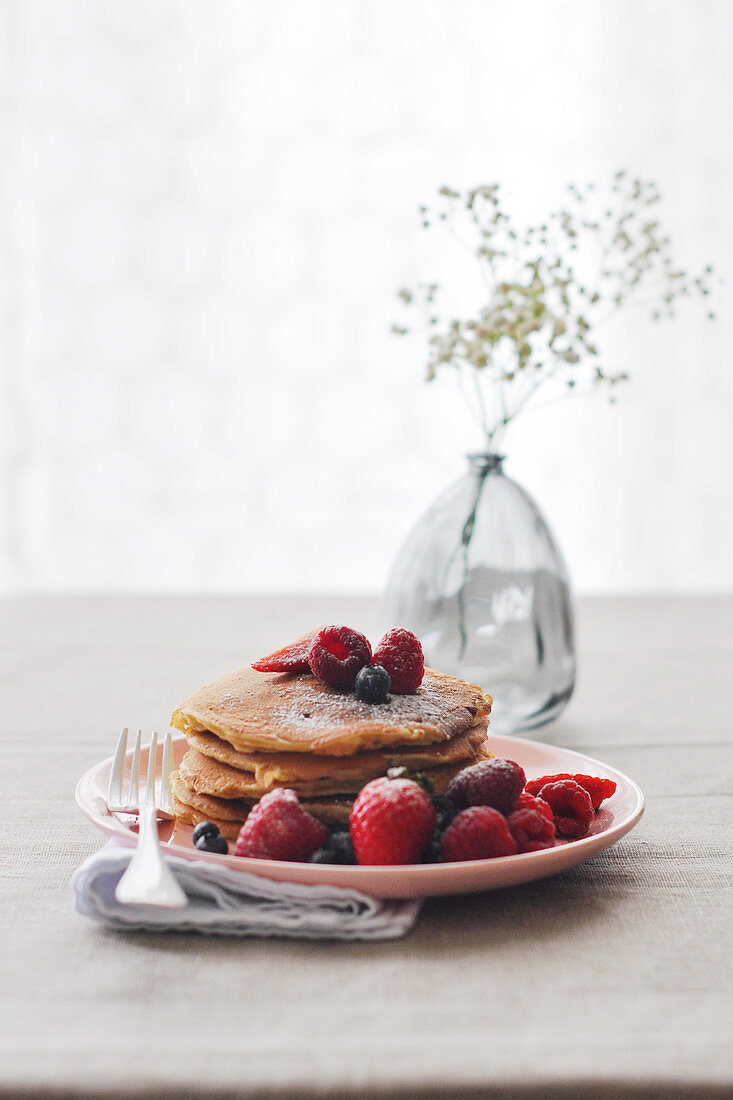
pixel 548 861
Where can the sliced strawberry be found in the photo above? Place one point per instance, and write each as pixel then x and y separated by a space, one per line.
pixel 291 658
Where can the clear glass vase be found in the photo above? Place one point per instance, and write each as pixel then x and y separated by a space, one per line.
pixel 483 584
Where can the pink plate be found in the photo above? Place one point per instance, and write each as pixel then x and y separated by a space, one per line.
pixel 615 818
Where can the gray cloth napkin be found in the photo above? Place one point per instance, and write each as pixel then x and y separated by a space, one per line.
pixel 235 903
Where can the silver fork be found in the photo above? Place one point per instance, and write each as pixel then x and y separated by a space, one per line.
pixel 148 880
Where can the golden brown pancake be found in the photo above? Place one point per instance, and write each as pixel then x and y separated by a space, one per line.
pixel 229 814
pixel 296 769
pixel 186 815
pixel 277 712
pixel 205 775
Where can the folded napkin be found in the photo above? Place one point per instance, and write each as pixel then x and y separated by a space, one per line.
pixel 234 903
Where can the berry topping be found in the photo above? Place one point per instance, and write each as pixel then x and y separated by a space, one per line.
pixel 323 856
pixel 291 658
pixel 337 653
pixel 532 829
pixel 392 821
pixel 480 832
pixel 598 789
pixel 204 828
pixel 496 783
pixel 572 810
pixel 445 810
pixel 337 849
pixel 212 842
pixel 401 654
pixel 433 853
pixel 530 802
pixel 372 684
pixel 279 828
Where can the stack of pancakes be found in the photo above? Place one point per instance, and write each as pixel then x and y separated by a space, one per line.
pixel 250 732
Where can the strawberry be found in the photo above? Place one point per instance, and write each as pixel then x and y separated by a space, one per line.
pixel 279 828
pixel 392 822
pixel 291 658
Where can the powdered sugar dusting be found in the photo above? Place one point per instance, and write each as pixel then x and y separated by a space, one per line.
pixel 297 712
pixel 316 710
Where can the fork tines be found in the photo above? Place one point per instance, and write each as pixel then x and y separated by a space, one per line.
pixel 130 803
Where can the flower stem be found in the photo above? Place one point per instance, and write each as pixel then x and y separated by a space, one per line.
pixel 466 536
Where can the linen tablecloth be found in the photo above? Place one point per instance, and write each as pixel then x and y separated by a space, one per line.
pixel 613 980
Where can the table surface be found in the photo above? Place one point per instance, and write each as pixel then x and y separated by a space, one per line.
pixel 613 979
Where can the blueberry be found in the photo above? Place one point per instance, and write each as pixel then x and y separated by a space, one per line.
pixel 445 810
pixel 337 849
pixel 210 843
pixel 433 853
pixel 341 846
pixel 322 856
pixel 372 684
pixel 205 828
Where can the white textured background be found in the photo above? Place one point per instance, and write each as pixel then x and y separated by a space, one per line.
pixel 205 211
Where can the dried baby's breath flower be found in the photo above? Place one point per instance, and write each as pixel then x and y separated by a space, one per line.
pixel 548 288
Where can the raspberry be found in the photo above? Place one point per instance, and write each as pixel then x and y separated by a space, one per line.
pixel 392 821
pixel 337 653
pixel 401 654
pixel 572 810
pixel 495 782
pixel 279 828
pixel 598 789
pixel 479 832
pixel 529 802
pixel 532 829
pixel 291 658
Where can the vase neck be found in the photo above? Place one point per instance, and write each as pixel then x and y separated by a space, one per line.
pixel 484 463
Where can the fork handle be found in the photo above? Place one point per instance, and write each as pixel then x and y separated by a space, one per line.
pixel 148 880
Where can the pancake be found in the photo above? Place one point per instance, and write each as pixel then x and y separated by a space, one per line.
pixel 296 769
pixel 229 814
pixel 204 775
pixel 277 712
pixel 186 815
